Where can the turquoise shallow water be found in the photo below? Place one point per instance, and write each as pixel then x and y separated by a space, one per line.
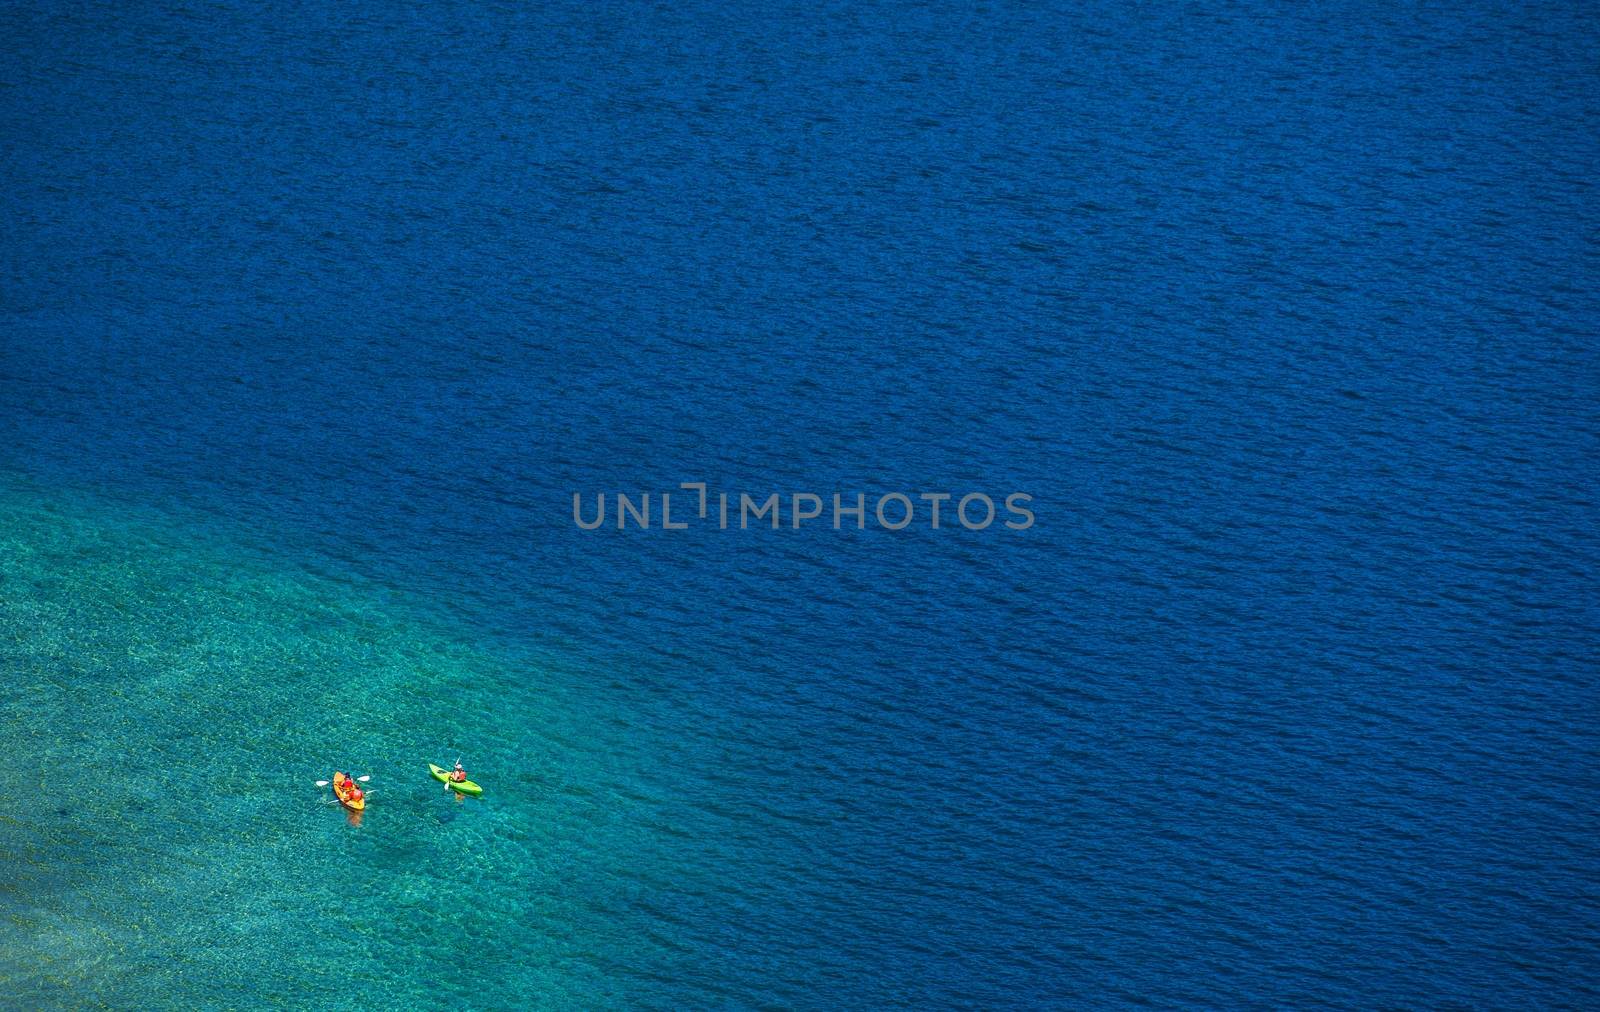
pixel 136 641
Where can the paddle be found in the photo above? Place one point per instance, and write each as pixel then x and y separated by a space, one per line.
pixel 349 780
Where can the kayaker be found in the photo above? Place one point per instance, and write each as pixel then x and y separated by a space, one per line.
pixel 459 773
pixel 354 794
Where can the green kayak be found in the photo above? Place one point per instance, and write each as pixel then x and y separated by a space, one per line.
pixel 464 786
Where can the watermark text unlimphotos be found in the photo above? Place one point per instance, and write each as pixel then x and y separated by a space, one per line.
pixel 893 511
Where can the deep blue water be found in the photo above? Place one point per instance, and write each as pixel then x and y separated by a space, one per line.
pixel 1286 318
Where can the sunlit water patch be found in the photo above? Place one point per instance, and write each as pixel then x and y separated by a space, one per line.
pixel 172 696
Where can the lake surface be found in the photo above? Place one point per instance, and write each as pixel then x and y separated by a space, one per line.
pixel 312 326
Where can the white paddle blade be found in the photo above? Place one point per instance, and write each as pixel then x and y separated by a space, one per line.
pixel 365 778
pixel 322 783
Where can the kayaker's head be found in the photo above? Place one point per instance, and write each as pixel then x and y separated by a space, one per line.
pixel 458 764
